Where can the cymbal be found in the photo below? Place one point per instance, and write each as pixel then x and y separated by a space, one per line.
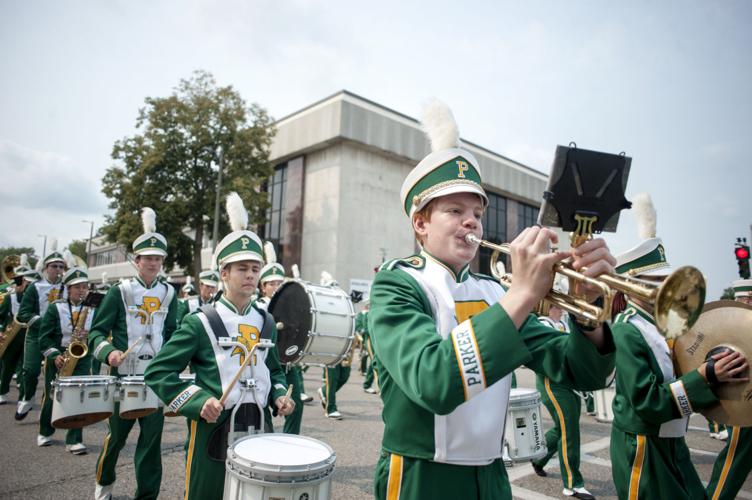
pixel 722 323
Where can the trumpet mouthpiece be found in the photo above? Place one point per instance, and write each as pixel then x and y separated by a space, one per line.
pixel 471 239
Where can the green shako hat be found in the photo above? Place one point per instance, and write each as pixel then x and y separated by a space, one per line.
pixel 273 270
pixel 240 244
pixel 448 169
pixel 33 276
pixel 74 275
pixel 53 255
pixel 151 242
pixel 209 278
pixel 742 288
pixel 649 257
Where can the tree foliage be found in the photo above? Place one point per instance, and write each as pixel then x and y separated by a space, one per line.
pixel 171 166
pixel 728 294
pixel 78 248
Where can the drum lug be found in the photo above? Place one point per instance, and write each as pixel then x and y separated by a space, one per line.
pixel 82 395
pixel 58 395
pixel 106 392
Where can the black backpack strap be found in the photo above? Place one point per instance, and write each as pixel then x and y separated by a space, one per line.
pixel 266 330
pixel 215 322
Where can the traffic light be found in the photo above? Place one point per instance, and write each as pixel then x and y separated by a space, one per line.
pixel 741 251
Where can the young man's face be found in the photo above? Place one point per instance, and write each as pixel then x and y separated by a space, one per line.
pixel 77 292
pixel 149 266
pixel 269 287
pixel 207 291
pixel 54 271
pixel 443 235
pixel 241 278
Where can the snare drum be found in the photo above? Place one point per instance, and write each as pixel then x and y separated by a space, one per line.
pixel 81 401
pixel 523 431
pixel 136 398
pixel 315 323
pixel 604 399
pixel 278 466
pixel 185 377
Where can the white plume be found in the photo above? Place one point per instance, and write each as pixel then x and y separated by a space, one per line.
pixel 439 125
pixel 645 214
pixel 104 277
pixel 269 253
pixel 326 278
pixel 24 260
pixel 236 212
pixel 148 220
pixel 53 245
pixel 295 271
pixel 188 280
pixel 70 261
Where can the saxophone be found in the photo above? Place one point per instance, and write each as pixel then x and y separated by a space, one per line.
pixel 78 347
pixel 10 332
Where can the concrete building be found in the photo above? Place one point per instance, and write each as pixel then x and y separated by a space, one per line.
pixel 339 166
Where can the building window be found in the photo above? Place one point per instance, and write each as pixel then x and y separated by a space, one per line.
pixel 275 224
pixel 494 229
pixel 527 216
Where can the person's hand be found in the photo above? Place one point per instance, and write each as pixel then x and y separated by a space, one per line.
pixel 728 365
pixel 115 358
pixel 59 362
pixel 211 410
pixel 285 405
pixel 596 257
pixel 533 262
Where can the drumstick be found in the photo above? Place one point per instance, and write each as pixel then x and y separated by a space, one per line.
pixel 246 362
pixel 288 393
pixel 128 351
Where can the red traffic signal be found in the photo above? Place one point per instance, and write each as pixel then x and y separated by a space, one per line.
pixel 742 253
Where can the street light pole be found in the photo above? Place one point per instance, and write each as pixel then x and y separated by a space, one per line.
pixel 215 230
pixel 44 245
pixel 88 247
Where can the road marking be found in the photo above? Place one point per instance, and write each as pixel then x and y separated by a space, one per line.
pixel 520 492
pixel 596 445
pixel 703 452
pixel 592 459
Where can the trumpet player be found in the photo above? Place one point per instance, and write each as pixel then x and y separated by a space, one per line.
pixel 734 463
pixel 66 322
pixel 37 298
pixel 447 340
pixel 652 405
pixel 8 311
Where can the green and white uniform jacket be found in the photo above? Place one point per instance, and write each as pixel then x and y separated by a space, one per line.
pixel 445 350
pixel 215 366
pixel 37 298
pixel 188 306
pixel 649 399
pixel 133 312
pixel 57 328
pixel 9 308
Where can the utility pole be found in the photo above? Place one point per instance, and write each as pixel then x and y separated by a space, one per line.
pixel 215 229
pixel 88 247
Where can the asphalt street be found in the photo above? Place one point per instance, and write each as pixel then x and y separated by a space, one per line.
pixel 29 472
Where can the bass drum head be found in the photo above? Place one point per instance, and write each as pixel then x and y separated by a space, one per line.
pixel 291 306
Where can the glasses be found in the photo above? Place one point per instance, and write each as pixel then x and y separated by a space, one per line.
pixel 56 266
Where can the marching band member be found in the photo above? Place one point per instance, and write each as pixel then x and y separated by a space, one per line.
pixel 55 335
pixel 335 377
pixel 188 289
pixel 8 310
pixel 238 258
pixel 564 405
pixel 141 314
pixel 649 456
pixel 447 340
pixel 734 463
pixel 207 287
pixel 361 328
pixel 37 298
pixel 272 276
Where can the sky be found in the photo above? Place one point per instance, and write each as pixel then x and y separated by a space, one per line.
pixel 666 82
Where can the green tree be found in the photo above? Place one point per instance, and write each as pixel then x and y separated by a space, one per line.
pixel 78 248
pixel 728 294
pixel 171 166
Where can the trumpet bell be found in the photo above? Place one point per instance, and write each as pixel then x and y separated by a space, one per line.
pixel 679 301
pixel 724 323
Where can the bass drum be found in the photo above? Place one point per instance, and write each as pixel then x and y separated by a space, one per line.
pixel 315 323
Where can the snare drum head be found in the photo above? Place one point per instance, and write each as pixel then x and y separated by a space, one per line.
pixel 522 394
pixel 86 380
pixel 291 306
pixel 283 451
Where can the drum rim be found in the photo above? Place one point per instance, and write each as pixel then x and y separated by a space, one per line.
pixel 86 380
pixel 276 474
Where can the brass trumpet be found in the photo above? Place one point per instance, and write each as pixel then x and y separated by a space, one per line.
pixel 677 301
